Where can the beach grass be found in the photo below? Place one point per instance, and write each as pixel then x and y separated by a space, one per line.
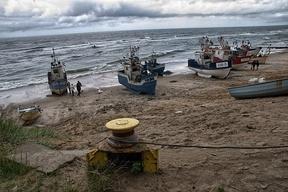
pixel 100 180
pixel 10 169
pixel 12 135
pixel 68 187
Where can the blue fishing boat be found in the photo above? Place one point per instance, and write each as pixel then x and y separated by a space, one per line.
pixel 154 66
pixel 265 89
pixel 57 78
pixel 208 66
pixel 135 76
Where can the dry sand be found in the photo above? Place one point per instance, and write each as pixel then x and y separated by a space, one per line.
pixel 186 110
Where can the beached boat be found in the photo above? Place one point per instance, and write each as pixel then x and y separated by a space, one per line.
pixel 135 76
pixel 211 62
pixel 154 66
pixel 262 56
pixel 219 70
pixel 29 113
pixel 260 59
pixel 265 89
pixel 242 55
pixel 57 78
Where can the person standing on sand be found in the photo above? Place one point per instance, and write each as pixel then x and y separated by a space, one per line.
pixel 69 87
pixel 253 64
pixel 72 89
pixel 78 86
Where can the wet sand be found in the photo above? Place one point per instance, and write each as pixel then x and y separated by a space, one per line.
pixel 187 109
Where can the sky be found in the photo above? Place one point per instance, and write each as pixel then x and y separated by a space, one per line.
pixel 48 17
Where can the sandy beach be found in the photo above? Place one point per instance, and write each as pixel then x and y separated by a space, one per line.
pixel 187 109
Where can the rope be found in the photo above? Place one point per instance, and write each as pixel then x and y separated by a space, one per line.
pixel 201 146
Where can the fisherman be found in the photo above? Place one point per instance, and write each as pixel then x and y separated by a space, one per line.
pixel 69 87
pixel 253 64
pixel 257 65
pixel 72 89
pixel 78 86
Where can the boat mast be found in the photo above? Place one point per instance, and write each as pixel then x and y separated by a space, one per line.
pixel 53 56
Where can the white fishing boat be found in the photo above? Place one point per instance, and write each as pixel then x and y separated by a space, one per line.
pixel 207 68
pixel 211 61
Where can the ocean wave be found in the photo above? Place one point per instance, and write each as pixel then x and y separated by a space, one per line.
pixel 35 49
pixel 90 73
pixel 114 62
pixel 76 56
pixel 80 70
pixel 171 52
pixel 26 50
pixel 12 86
pixel 18 71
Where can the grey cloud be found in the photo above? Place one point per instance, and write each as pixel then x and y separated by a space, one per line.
pixel 88 12
pixel 123 10
pixel 23 24
pixel 133 10
pixel 78 8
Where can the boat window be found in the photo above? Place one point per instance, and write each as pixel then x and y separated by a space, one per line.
pixel 55 71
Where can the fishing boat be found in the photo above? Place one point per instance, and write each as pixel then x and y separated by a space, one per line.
pixel 57 78
pixel 29 114
pixel 135 76
pixel 207 68
pixel 242 55
pixel 154 66
pixel 264 89
pixel 211 61
pixel 262 56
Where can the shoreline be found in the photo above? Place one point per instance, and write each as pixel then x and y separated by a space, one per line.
pixel 37 92
pixel 276 61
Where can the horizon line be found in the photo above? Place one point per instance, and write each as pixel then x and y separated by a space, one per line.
pixel 148 29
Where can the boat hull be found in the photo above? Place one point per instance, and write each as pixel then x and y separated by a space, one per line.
pixel 241 66
pixel 266 89
pixel 58 87
pixel 145 86
pixel 219 70
pixel 29 114
pixel 240 62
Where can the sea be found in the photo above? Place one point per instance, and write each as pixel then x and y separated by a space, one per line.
pixel 25 61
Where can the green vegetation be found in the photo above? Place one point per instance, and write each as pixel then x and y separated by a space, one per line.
pixel 137 167
pixel 220 189
pixel 100 180
pixel 14 134
pixel 11 135
pixel 9 169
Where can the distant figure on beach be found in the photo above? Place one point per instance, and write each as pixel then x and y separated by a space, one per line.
pixel 78 86
pixel 253 64
pixel 69 87
pixel 72 90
